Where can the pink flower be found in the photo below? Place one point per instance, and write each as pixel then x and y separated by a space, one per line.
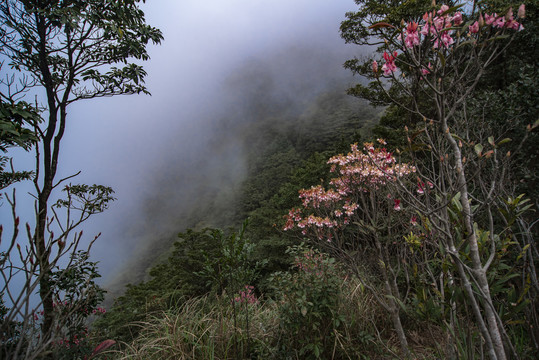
pixel 412 35
pixel 445 38
pixel 374 67
pixel 514 25
pixel 426 71
pixel 457 19
pixel 474 28
pixel 421 187
pixel 397 204
pixel 443 9
pixel 500 22
pixel 489 19
pixel 413 221
pixel 439 24
pixel 389 67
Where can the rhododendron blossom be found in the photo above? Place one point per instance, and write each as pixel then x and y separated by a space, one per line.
pixel 457 18
pixel 438 28
pixel 443 9
pixel 445 38
pixel 489 19
pixel 421 187
pixel 412 35
pixel 389 67
pixel 360 171
pixel 499 22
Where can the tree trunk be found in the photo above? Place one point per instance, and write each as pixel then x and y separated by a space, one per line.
pixel 479 273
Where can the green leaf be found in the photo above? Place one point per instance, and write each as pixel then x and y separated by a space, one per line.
pixel 478 149
pixel 506 140
pixel 499 37
pixel 442 58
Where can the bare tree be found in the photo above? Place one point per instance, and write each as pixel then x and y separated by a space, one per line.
pixel 66 50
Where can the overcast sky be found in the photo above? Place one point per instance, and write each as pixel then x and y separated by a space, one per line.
pixel 128 142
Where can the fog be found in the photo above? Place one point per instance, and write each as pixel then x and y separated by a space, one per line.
pixel 222 63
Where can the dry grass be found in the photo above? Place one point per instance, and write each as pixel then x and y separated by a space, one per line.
pixel 204 328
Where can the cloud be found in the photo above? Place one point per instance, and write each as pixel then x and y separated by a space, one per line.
pixel 220 64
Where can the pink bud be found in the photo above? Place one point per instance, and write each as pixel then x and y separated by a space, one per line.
pixel 521 11
pixel 443 9
pixel 374 67
pixel 474 28
pixel 457 19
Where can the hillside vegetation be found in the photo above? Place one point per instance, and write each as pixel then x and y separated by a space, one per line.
pixel 396 223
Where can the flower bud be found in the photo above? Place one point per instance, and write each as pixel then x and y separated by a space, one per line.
pixel 521 11
pixel 481 21
pixel 374 67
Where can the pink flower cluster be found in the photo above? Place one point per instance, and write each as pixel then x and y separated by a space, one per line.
pixel 508 21
pixel 317 196
pixel 421 188
pixel 370 168
pixel 99 310
pixel 246 296
pixel 359 171
pixel 439 27
pixel 389 66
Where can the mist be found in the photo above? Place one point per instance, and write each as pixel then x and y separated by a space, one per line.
pixel 223 64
